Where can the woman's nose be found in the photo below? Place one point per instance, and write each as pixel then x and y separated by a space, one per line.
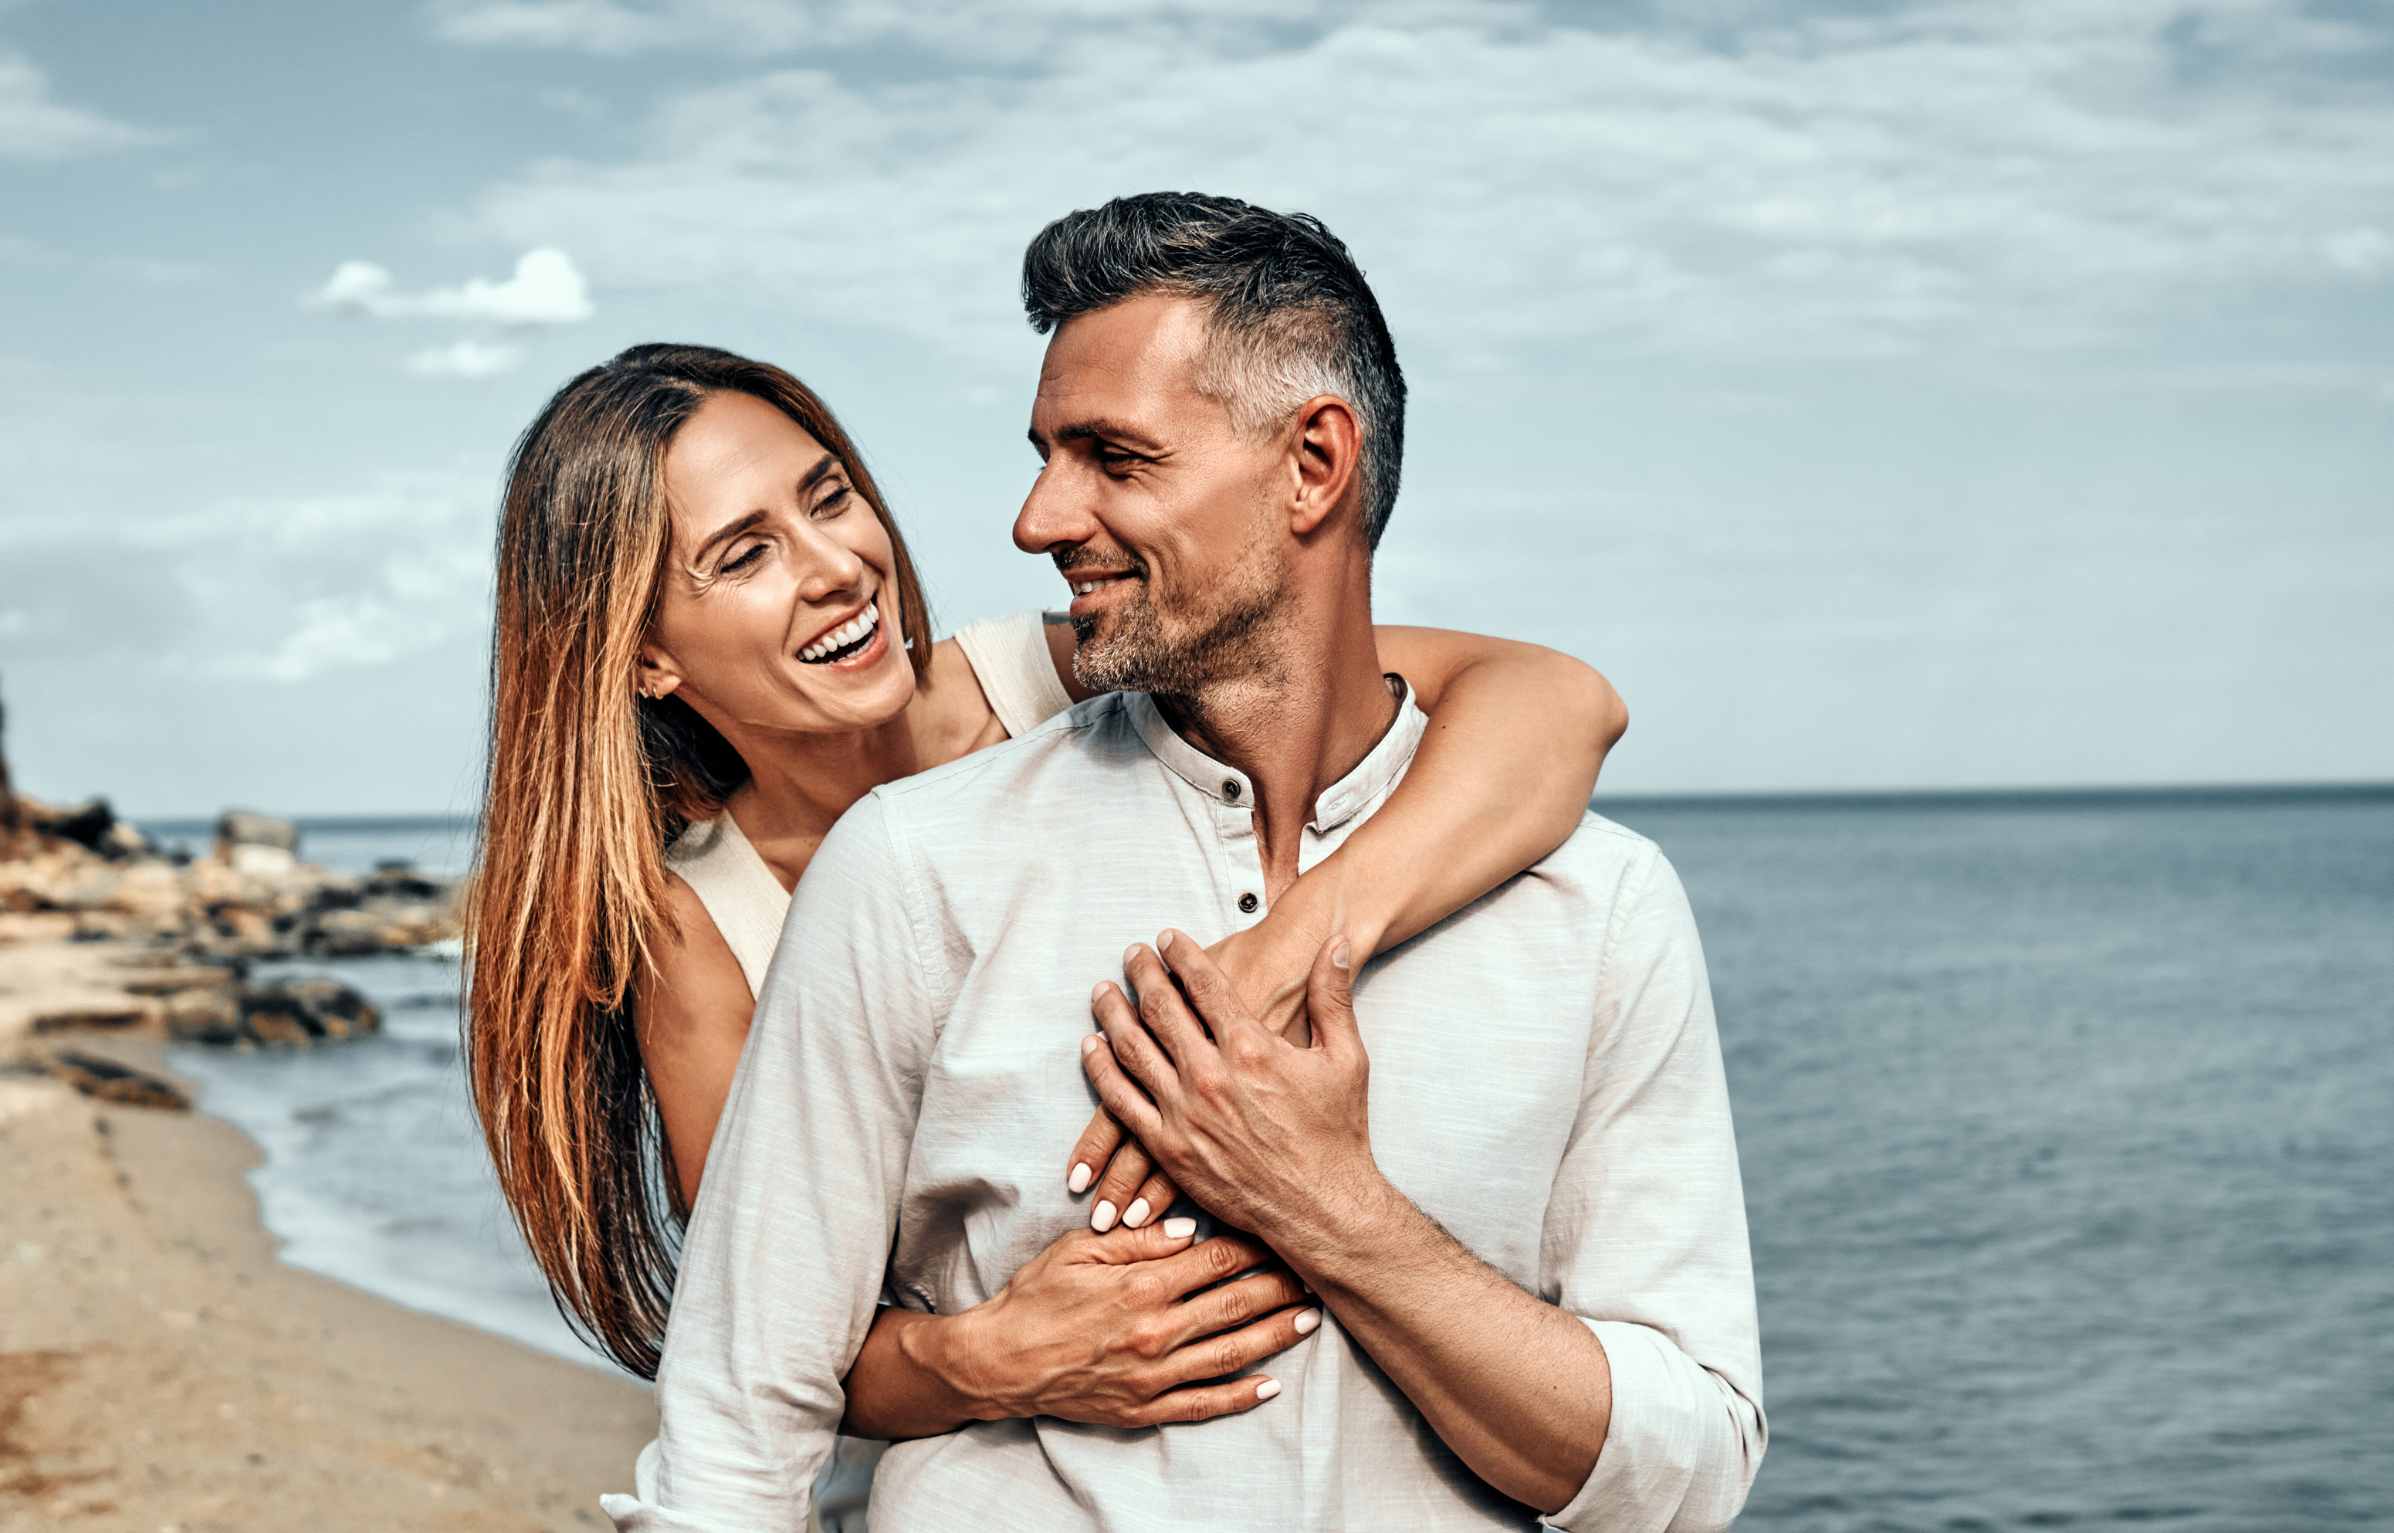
pixel 832 567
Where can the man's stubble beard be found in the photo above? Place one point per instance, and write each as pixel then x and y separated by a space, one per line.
pixel 1230 639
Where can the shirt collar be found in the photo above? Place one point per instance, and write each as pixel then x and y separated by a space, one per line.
pixel 1338 803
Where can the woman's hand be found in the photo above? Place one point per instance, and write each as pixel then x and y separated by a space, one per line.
pixel 1269 1135
pixel 1128 1330
pixel 1266 965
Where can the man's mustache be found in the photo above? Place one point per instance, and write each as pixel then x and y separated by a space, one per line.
pixel 1084 561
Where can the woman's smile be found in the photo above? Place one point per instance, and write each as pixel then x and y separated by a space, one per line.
pixel 852 643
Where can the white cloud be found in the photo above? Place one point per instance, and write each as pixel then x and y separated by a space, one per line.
pixel 571 101
pixel 159 271
pixel 433 589
pixel 589 26
pixel 282 588
pixel 545 289
pixel 290 598
pixel 397 508
pixel 2361 252
pixel 2016 179
pixel 768 28
pixel 34 125
pixel 466 359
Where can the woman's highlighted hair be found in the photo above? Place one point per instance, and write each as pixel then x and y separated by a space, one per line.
pixel 587 784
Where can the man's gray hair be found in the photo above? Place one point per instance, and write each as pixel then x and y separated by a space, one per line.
pixel 1289 313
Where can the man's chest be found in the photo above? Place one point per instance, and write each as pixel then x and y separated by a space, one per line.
pixel 1475 1083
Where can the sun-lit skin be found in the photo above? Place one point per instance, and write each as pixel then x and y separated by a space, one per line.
pixel 772 548
pixel 1230 542
pixel 1249 595
pixel 1148 486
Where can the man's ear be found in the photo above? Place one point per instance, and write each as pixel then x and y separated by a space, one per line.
pixel 657 674
pixel 1329 444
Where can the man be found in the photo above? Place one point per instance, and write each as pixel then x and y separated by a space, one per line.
pixel 1524 1219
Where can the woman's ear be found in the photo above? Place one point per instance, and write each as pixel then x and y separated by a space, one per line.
pixel 1329 447
pixel 657 676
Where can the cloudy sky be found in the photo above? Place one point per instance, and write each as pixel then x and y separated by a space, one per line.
pixel 1884 394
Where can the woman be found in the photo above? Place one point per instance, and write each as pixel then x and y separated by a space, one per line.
pixel 678 720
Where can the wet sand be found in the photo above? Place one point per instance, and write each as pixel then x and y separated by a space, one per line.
pixel 160 1369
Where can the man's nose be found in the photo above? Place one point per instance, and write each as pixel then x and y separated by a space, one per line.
pixel 1054 515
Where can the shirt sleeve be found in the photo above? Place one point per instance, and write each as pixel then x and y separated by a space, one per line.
pixel 785 1251
pixel 1645 1237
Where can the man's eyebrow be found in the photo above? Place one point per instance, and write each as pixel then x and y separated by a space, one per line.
pixel 1101 428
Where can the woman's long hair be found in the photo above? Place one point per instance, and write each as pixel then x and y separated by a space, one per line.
pixel 587 785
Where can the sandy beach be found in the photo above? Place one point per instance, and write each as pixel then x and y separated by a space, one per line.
pixel 160 1369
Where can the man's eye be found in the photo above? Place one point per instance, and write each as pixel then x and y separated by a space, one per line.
pixel 743 560
pixel 1115 462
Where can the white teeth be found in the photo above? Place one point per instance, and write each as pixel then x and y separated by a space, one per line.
pixel 846 634
pixel 1083 587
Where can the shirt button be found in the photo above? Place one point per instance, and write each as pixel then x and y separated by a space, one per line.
pixel 1230 789
pixel 1247 904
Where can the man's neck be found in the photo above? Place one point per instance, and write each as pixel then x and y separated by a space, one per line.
pixel 1298 729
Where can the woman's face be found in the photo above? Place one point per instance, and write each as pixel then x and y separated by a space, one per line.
pixel 781 607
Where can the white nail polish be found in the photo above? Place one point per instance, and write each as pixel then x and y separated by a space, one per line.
pixel 1080 1178
pixel 1136 1214
pixel 1101 1218
pixel 1307 1320
pixel 1267 1389
pixel 1180 1229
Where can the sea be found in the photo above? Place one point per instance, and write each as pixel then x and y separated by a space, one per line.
pixel 2067 1123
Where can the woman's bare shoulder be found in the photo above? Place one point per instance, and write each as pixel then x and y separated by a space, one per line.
pixel 952 714
pixel 693 981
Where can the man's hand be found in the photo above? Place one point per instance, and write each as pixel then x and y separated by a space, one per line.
pixel 1267 1134
pixel 1267 969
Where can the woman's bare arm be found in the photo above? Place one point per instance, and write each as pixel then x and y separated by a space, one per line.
pixel 692 1009
pixel 1517 735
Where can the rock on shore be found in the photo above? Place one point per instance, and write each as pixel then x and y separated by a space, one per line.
pixel 100 931
pixel 112 885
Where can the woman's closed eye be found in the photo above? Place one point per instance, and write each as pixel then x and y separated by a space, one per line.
pixel 834 502
pixel 744 559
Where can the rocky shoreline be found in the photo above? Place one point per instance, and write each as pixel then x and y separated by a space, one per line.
pixel 160 1367
pixel 172 939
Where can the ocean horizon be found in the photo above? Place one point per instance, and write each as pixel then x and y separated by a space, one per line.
pixel 2062 1116
pixel 194 831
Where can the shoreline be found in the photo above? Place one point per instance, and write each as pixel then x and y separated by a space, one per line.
pixel 162 1366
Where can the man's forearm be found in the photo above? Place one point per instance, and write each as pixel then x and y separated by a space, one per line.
pixel 1519 1389
pixel 906 1383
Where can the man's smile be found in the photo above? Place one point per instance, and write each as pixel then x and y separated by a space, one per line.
pixel 1092 589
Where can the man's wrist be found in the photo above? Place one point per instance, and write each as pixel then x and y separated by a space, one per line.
pixel 948 1350
pixel 1356 1225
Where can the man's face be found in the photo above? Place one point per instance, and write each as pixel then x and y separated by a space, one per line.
pixel 1169 522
